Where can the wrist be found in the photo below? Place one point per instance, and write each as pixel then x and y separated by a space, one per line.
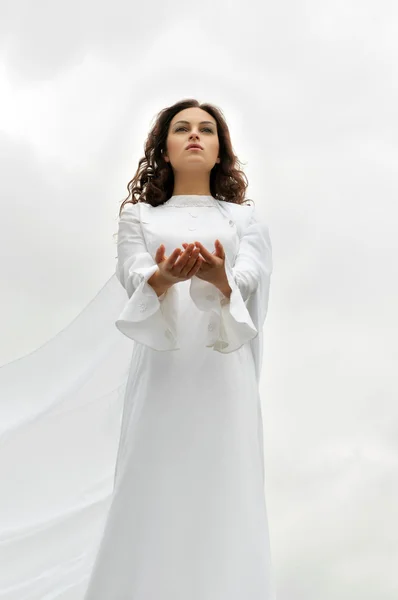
pixel 158 283
pixel 225 288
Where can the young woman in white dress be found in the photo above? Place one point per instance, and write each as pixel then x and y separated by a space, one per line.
pixel 188 518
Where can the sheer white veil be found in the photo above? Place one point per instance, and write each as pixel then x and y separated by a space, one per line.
pixel 60 415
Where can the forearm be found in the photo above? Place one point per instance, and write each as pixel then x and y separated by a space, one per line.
pixel 159 284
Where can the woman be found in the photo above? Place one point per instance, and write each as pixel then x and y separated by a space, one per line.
pixel 188 517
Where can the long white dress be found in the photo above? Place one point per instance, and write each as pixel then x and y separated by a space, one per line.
pixel 188 517
pixel 131 464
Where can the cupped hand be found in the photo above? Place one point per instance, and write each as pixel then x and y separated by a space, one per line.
pixel 212 268
pixel 180 265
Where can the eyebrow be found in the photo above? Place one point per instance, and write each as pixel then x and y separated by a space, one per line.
pixel 201 123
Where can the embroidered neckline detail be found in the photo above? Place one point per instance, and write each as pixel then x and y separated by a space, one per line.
pixel 190 200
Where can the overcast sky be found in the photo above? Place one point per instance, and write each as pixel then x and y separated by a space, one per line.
pixel 309 90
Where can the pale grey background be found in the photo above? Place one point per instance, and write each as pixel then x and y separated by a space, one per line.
pixel 309 90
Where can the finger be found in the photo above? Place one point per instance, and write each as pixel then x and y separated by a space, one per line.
pixel 205 253
pixel 185 245
pixel 182 261
pixel 202 259
pixel 195 268
pixel 174 256
pixel 190 262
pixel 187 250
pixel 219 249
pixel 159 253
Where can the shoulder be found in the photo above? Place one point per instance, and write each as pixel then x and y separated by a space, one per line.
pixel 131 212
pixel 249 218
pixel 240 210
pixel 129 207
pixel 241 214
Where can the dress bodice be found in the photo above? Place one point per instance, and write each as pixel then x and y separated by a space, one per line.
pixel 187 218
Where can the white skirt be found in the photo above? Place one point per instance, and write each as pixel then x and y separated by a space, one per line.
pixel 188 516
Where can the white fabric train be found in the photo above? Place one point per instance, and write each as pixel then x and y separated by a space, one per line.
pixel 66 413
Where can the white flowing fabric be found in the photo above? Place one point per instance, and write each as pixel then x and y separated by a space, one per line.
pixel 133 470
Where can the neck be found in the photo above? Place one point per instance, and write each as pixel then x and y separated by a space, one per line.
pixel 186 185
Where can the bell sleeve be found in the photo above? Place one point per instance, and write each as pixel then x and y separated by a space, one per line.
pixel 239 319
pixel 146 317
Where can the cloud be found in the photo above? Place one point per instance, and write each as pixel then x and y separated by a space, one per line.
pixel 308 92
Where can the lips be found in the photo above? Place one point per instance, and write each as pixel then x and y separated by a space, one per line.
pixel 194 146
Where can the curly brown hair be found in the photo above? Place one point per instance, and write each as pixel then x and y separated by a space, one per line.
pixel 153 182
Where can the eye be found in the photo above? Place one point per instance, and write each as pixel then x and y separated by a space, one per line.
pixel 203 129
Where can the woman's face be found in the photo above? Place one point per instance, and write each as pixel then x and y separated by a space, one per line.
pixel 192 125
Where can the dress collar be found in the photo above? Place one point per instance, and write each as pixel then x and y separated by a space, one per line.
pixel 190 200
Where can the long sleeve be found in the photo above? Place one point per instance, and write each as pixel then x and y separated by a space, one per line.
pixel 239 319
pixel 146 318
